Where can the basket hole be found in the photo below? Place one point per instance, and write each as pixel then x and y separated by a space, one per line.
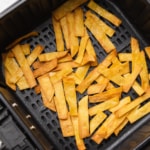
pixel 119 41
pixel 45 29
pixel 39 102
pixel 72 146
pixel 48 115
pixel 55 134
pixel 34 106
pixel 46 37
pixel 54 122
pixel 49 126
pixel 43 118
pixel 42 41
pixel 61 142
pixel 27 99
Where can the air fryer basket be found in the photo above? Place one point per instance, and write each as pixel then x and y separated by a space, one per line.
pixel 48 120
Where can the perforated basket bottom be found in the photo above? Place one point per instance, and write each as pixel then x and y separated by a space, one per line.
pixel 47 119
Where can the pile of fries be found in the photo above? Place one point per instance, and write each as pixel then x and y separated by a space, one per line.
pixel 58 76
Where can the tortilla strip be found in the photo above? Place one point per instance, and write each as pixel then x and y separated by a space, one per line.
pixel 46 86
pixel 107 29
pixel 110 103
pixel 24 66
pixel 52 55
pixel 34 54
pixel 67 7
pixel 104 13
pixel 70 94
pixel 133 104
pixel 79 24
pixel 58 35
pixel 83 117
pixel 45 68
pixel 30 34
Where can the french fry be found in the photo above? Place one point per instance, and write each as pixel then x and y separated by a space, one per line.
pixel 121 104
pixel 67 7
pixel 58 35
pixel 37 89
pixel 147 50
pixel 25 48
pixel 79 23
pixel 65 31
pixel 125 57
pixel 79 141
pixel 139 113
pixel 112 102
pixel 133 104
pixel 104 13
pixel 99 34
pixel 37 64
pixel 60 101
pixel 74 43
pixel 34 54
pixel 67 127
pixel 83 117
pixel 96 121
pixel 107 29
pixel 106 95
pixel 24 66
pixel 46 86
pixel 49 104
pixel 82 47
pixel 70 94
pixel 30 34
pixel 45 68
pixel 66 58
pixel 95 73
pixel 52 55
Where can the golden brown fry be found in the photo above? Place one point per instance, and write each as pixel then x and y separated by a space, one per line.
pixel 37 64
pixel 26 49
pixel 106 95
pixel 121 104
pixel 45 68
pixel 34 54
pixel 60 100
pixel 74 43
pixel 30 34
pixel 104 13
pixel 52 55
pixel 65 30
pixel 67 7
pixel 79 23
pixel 22 61
pixel 46 86
pixel 37 89
pixel 96 121
pixel 99 34
pixel 58 35
pixel 79 141
pixel 95 73
pixel 66 126
pixel 133 104
pixel 70 94
pixel 139 113
pixel 110 103
pixel 107 29
pixel 66 58
pixel 147 50
pixel 83 117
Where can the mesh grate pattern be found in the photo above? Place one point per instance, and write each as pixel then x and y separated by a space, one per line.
pixel 49 120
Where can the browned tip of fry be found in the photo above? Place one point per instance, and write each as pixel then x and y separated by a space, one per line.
pixel 33 33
